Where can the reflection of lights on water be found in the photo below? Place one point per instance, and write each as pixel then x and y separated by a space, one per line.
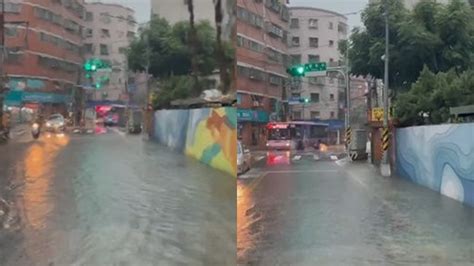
pixel 38 163
pixel 323 147
pixel 244 203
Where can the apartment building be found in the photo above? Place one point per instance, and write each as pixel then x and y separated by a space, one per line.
pixel 43 58
pixel 314 37
pixel 262 48
pixel 109 30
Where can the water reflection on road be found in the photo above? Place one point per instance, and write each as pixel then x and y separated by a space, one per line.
pixel 116 200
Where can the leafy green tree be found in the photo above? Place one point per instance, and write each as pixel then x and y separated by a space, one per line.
pixel 167 48
pixel 432 34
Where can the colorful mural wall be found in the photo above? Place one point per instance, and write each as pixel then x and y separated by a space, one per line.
pixel 207 134
pixel 439 157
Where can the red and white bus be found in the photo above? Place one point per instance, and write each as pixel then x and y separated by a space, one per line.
pixel 286 135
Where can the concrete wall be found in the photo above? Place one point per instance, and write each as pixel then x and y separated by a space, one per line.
pixel 208 135
pixel 439 157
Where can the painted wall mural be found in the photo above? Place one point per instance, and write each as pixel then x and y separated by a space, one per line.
pixel 207 134
pixel 439 157
pixel 170 128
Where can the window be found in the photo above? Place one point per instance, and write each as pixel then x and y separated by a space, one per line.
pixel 331 60
pixel 315 97
pixel 295 59
pixel 342 28
pixel 295 41
pixel 88 48
pixel 274 55
pixel 331 97
pixel 130 34
pixel 313 23
pixel 313 42
pixel 104 50
pixel 275 80
pixel 89 16
pixel 295 23
pixel 333 115
pixel 315 114
pixel 331 26
pixel 331 43
pixel 11 32
pixel 275 30
pixel 12 7
pixel 13 56
pixel 123 50
pixel 89 33
pixel 249 44
pixel 250 17
pixel 296 95
pixel 297 115
pixel 313 58
pixel 105 17
pixel 105 33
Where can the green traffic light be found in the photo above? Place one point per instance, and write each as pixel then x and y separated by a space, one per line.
pixel 306 100
pixel 300 70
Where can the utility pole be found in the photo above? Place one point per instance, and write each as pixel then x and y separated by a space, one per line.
pixel 385 165
pixel 348 100
pixel 2 61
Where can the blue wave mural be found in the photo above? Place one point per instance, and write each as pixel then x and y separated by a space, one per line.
pixel 439 157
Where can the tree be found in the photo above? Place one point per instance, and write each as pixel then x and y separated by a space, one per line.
pixel 436 35
pixel 429 99
pixel 171 58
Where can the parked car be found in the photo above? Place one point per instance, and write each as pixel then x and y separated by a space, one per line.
pixel 244 158
pixel 55 123
pixel 111 120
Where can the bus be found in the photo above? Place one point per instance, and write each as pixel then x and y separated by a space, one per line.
pixel 286 135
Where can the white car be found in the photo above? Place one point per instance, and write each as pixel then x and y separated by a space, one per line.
pixel 55 123
pixel 244 158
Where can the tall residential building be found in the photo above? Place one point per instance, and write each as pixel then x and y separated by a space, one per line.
pixel 177 10
pixel 43 41
pixel 315 34
pixel 262 48
pixel 110 29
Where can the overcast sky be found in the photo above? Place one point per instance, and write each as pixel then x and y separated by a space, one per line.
pixel 142 7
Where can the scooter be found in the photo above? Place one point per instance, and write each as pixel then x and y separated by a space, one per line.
pixel 35 130
pixel 4 135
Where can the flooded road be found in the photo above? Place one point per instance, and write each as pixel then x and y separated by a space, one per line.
pixel 112 199
pixel 309 212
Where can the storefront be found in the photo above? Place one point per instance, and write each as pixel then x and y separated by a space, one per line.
pixel 34 102
pixel 251 127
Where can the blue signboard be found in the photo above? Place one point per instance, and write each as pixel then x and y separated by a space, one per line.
pixel 252 116
pixel 334 124
pixel 17 97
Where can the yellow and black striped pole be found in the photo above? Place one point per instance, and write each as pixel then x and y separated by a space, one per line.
pixel 385 139
pixel 348 136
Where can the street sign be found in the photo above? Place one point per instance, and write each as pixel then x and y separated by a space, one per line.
pixel 309 69
pixel 377 114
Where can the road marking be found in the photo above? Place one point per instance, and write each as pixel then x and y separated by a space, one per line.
pixel 298 171
pixel 297 158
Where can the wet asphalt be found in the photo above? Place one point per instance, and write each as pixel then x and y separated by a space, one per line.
pixel 316 211
pixel 113 199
